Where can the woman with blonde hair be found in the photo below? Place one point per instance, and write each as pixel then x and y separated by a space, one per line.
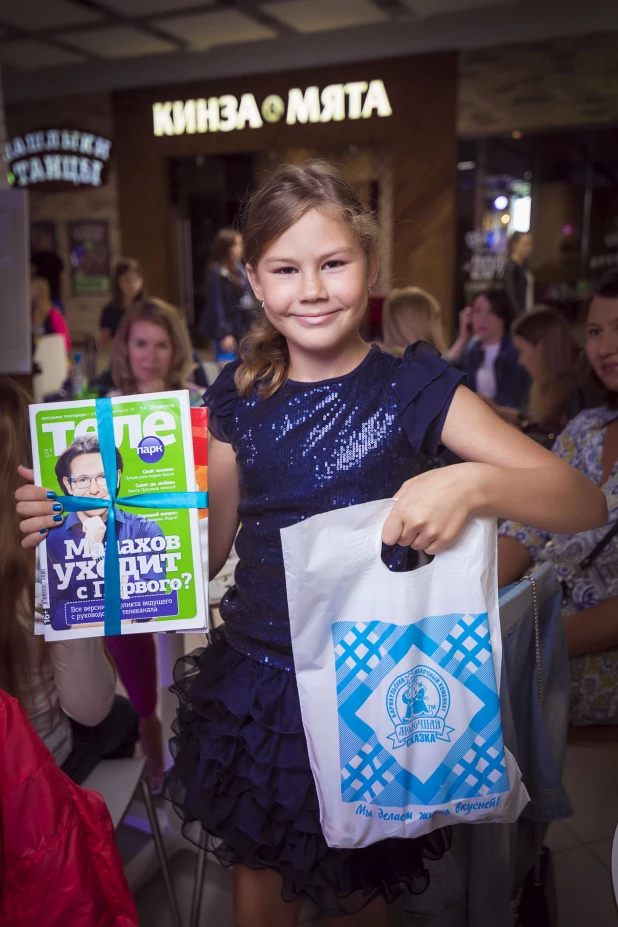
pixel 411 315
pixel 152 351
pixel 67 688
pixel 46 319
pixel 549 353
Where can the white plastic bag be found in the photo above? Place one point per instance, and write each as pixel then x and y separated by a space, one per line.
pixel 398 676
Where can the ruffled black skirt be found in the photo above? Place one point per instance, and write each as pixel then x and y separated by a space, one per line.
pixel 242 784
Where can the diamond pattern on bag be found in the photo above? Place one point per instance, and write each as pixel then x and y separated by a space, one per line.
pixel 467 645
pixel 481 767
pixel 367 653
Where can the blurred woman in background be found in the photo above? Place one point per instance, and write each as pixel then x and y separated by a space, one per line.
pixel 548 352
pixel 586 562
pixel 127 289
pixel 485 351
pixel 409 315
pixel 46 319
pixel 229 300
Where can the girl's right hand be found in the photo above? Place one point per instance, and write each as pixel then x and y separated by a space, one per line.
pixel 36 506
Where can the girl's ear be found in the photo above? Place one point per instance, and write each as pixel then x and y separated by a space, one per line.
pixel 373 269
pixel 255 284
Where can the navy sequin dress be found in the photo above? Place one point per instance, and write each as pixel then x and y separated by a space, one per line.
pixel 241 767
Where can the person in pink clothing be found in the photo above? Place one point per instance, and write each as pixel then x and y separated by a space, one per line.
pixel 46 319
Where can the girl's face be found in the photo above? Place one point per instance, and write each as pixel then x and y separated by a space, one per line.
pixel 529 356
pixel 485 324
pixel 313 280
pixel 602 340
pixel 131 284
pixel 150 352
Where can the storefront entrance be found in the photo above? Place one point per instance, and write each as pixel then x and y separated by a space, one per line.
pixel 188 154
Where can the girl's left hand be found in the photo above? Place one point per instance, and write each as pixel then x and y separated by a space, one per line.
pixel 431 509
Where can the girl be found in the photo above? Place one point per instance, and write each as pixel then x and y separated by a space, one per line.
pixel 410 315
pixel 46 319
pixel 127 289
pixel 308 419
pixel 486 354
pixel 590 606
pixel 228 296
pixel 152 352
pixel 67 688
pixel 549 354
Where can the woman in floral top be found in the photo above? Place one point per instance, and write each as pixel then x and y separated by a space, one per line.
pixel 589 443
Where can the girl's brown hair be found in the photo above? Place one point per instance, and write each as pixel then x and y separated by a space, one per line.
pixel 550 393
pixel 16 564
pixel 285 196
pixel 121 266
pixel 595 390
pixel 166 317
pixel 410 315
pixel 222 244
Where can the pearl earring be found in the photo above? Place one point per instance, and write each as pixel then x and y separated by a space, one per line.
pixel 369 290
pixel 262 304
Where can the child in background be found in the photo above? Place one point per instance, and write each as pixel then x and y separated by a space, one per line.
pixel 308 419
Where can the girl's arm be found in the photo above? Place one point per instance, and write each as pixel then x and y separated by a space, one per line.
pixel 509 476
pixel 223 497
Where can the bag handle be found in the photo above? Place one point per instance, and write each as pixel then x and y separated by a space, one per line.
pixel 472 532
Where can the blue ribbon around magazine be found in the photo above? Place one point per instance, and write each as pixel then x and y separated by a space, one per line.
pixel 148 500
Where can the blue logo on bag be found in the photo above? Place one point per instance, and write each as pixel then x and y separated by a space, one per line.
pixel 417 703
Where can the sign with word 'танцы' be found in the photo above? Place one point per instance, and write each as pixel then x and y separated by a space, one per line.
pixel 59 159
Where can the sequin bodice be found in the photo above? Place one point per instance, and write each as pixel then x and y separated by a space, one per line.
pixel 309 448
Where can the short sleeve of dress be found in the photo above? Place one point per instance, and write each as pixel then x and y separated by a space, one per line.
pixel 425 387
pixel 221 399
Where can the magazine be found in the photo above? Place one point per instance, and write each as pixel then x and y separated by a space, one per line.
pixel 162 551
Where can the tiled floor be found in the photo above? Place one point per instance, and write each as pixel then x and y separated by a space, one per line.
pixel 581 850
pixel 582 845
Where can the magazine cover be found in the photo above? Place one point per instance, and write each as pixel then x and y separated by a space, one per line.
pixel 162 553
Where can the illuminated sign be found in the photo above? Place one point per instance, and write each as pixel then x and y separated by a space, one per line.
pixel 63 158
pixel 335 103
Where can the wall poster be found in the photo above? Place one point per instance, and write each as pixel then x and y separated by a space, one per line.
pixel 90 259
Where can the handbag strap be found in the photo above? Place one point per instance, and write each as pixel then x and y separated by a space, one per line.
pixel 600 547
pixel 537 639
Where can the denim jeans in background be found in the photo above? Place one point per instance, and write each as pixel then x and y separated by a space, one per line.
pixel 473 884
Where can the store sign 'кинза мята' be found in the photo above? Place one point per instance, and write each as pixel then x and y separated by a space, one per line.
pixel 59 158
pixel 335 103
